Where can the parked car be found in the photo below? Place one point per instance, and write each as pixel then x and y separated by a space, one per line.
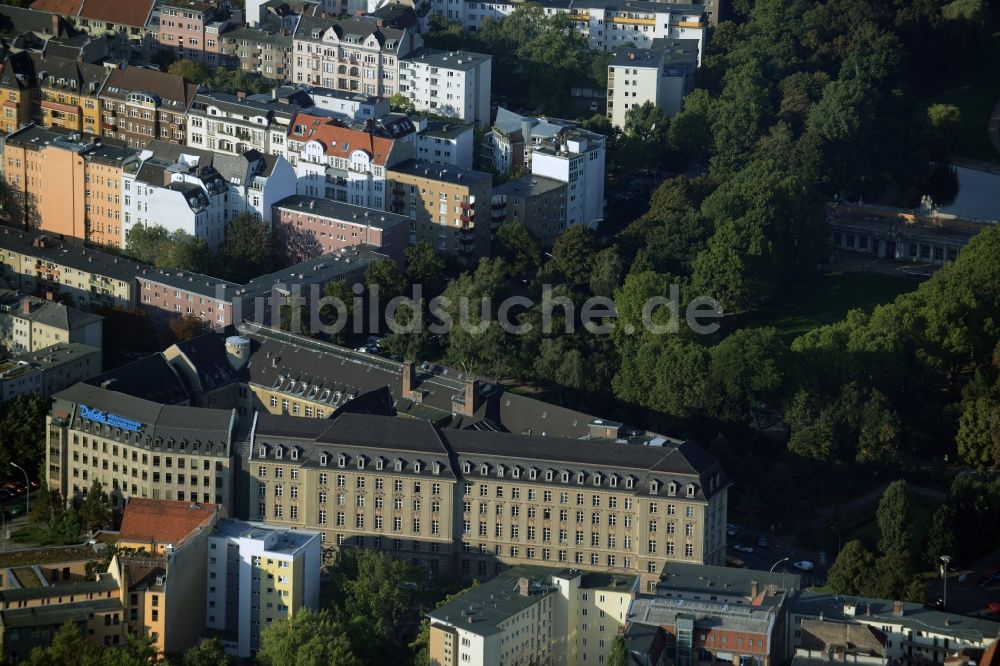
pixel 743 549
pixel 762 541
pixel 804 565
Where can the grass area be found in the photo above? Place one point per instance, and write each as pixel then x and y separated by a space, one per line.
pixel 976 91
pixel 824 298
pixel 45 556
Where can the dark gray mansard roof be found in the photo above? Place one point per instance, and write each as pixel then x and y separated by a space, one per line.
pixel 167 428
pixel 494 455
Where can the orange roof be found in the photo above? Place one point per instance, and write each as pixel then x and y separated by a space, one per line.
pixel 340 141
pixel 62 7
pixel 133 13
pixel 162 521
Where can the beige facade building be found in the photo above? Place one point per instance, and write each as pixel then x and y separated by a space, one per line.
pixel 138 448
pixel 537 202
pixel 48 370
pixel 28 323
pixel 533 615
pixel 447 207
pixel 390 484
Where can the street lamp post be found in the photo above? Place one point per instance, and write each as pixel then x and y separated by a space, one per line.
pixel 27 489
pixel 784 559
pixel 944 574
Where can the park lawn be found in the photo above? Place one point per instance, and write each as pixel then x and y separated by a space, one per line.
pixel 824 298
pixel 975 92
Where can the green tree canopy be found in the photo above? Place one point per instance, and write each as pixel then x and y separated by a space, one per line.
pixel 308 638
pixel 852 570
pixel 893 516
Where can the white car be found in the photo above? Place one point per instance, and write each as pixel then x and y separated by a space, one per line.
pixel 804 565
pixel 743 549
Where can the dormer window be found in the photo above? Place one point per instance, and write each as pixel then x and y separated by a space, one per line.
pixel 467 468
pixel 580 476
pixel 378 464
pixel 565 477
pixel 501 470
pixel 279 453
pixel 516 472
pixel 484 469
pixel 532 473
pixel 613 481
pixel 654 486
pixel 361 462
pixel 690 490
pixel 437 467
pixel 262 451
pixel 398 465
pixel 597 479
pixel 324 459
pixel 295 453
pixel 342 460
pixel 629 482
pixel 417 466
pixel 671 488
pixel 548 475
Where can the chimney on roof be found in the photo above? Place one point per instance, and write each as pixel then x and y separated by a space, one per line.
pixel 897 608
pixel 55 24
pixel 26 306
pixel 241 94
pixel 524 586
pixel 409 378
pixel 631 55
pixel 472 396
pixel 754 589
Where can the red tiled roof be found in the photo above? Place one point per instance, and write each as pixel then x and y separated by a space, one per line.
pixel 61 7
pixel 162 521
pixel 340 141
pixel 132 13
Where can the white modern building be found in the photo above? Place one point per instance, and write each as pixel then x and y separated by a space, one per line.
pixel 257 575
pixel 607 24
pixel 455 84
pixel 350 106
pixel 577 159
pixel 509 144
pixel 199 191
pixel 441 142
pixel 662 75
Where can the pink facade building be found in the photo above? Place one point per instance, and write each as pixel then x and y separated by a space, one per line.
pixel 311 226
pixel 193 29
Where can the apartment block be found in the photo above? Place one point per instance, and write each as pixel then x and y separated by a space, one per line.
pixel 260 50
pixel 162 565
pixel 66 183
pixel 447 207
pixel 509 145
pixel 454 84
pixel 51 91
pixel 139 105
pixel 193 29
pixel 311 226
pixel 531 614
pixel 355 54
pixel 127 27
pixel 659 75
pixel 29 324
pixel 138 448
pixel 52 269
pixel 23 29
pixel 233 125
pixel 198 191
pixel 258 574
pixel 575 157
pixel 48 370
pixel 445 143
pixel 537 202
pixel 606 25
pixel 884 631
pixel 33 612
pixel 343 163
